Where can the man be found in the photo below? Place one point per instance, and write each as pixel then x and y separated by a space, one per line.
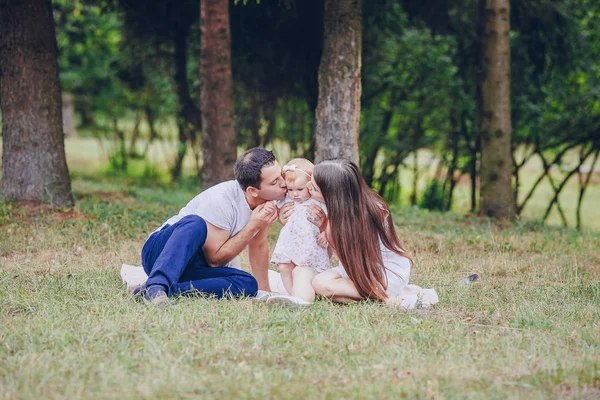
pixel 190 251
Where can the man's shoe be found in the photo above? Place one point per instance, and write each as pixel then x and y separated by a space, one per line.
pixel 156 296
pixel 135 289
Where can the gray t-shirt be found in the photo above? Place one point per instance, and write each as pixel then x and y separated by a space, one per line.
pixel 223 205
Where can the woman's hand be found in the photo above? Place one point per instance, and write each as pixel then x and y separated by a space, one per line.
pixel 317 216
pixel 286 212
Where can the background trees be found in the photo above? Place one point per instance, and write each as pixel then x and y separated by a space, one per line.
pixel 134 70
pixel 338 110
pixel 34 167
pixel 218 137
pixel 495 124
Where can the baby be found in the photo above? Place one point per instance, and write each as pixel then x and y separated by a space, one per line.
pixel 301 251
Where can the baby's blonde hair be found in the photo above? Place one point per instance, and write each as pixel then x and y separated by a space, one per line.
pixel 296 169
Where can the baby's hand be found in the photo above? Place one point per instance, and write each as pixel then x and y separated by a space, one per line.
pixel 322 240
pixel 264 215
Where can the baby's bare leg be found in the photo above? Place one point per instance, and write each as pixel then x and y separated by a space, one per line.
pixel 302 287
pixel 286 275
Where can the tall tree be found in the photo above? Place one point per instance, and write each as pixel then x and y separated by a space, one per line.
pixel 216 93
pixel 338 109
pixel 34 166
pixel 496 191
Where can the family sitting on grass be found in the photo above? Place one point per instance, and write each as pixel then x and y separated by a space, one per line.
pixel 325 209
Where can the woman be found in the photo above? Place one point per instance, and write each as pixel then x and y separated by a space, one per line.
pixel 360 230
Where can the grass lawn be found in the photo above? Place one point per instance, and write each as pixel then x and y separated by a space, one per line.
pixel 530 328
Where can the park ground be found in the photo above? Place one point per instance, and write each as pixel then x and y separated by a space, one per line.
pixel 529 328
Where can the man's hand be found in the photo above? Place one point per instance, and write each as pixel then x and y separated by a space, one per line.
pixel 263 215
pixel 322 240
pixel 317 216
pixel 286 212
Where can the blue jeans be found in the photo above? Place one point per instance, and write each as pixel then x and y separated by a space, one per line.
pixel 173 259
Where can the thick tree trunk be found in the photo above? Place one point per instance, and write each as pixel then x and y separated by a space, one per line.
pixel 216 95
pixel 34 166
pixel 338 109
pixel 496 193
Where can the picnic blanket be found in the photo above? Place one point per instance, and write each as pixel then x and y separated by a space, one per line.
pixel 413 296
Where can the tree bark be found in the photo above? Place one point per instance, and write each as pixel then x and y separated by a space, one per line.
pixel 496 192
pixel 216 95
pixel 338 108
pixel 34 166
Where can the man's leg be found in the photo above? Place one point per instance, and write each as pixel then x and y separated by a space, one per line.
pixel 218 281
pixel 168 252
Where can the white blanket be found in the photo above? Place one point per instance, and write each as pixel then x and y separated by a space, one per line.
pixel 133 275
pixel 413 296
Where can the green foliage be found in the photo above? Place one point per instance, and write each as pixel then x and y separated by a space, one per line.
pixel 554 76
pixel 276 50
pixel 106 76
pixel 433 198
pixel 89 43
pixel 410 87
pixel 421 68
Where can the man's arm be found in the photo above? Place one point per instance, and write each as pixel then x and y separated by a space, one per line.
pixel 219 248
pixel 258 255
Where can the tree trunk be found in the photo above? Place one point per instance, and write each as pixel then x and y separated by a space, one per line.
pixel 135 135
pixel 413 195
pixel 496 192
pixel 216 95
pixel 34 164
pixel 368 167
pixel 338 109
pixel 270 112
pixel 177 169
pixel 254 120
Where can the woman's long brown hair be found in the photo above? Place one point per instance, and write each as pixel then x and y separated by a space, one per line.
pixel 358 218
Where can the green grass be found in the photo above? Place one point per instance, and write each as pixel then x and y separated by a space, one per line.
pixel 530 328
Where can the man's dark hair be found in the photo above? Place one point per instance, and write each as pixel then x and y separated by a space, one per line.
pixel 248 166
